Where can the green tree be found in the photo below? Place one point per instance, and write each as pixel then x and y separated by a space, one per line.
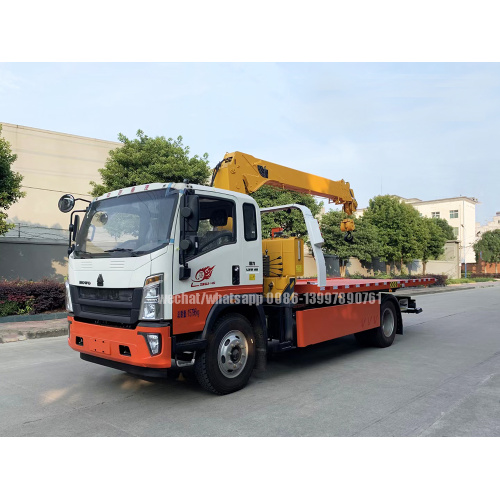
pixel 10 183
pixel 446 229
pixel 489 247
pixel 293 222
pixel 365 245
pixel 146 159
pixel 434 239
pixel 400 228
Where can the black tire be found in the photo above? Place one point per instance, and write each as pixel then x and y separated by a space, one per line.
pixel 384 335
pixel 173 373
pixel 188 374
pixel 365 338
pixel 214 366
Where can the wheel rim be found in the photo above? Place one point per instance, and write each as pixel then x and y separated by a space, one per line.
pixel 232 354
pixel 388 322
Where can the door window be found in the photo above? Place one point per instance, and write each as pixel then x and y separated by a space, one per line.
pixel 250 222
pixel 217 224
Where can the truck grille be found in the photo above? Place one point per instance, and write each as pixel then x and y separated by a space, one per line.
pixel 110 311
pixel 112 305
pixel 119 294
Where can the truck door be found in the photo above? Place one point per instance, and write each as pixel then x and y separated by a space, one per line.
pixel 223 260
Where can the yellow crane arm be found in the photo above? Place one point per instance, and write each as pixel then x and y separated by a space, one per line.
pixel 244 173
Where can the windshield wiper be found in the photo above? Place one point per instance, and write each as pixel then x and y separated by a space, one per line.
pixel 120 250
pixel 85 255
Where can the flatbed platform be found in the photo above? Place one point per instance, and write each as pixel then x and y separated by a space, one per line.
pixel 336 285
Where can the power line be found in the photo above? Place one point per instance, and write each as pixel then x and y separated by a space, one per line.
pixel 53 190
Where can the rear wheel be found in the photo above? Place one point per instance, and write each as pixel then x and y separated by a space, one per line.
pixel 384 335
pixel 227 363
pixel 365 338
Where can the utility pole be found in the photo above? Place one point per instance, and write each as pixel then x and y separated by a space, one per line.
pixel 465 241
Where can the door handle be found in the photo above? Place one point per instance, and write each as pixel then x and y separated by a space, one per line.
pixel 236 275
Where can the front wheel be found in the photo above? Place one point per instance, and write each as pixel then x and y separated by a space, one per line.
pixel 227 363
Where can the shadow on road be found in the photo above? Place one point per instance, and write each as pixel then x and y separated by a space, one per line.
pixel 278 365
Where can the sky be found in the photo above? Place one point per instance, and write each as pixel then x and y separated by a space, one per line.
pixel 417 130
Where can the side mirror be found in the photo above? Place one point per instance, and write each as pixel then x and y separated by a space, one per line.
pixel 76 226
pixel 191 214
pixel 66 203
pixel 102 217
pixel 186 245
pixel 189 245
pixel 186 212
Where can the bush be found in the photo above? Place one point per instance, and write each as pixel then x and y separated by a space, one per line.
pixel 482 275
pixel 8 308
pixel 356 276
pixel 440 278
pixel 30 297
pixel 381 275
pixel 459 281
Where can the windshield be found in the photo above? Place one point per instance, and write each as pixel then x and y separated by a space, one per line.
pixel 127 226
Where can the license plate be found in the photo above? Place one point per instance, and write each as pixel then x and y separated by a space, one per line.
pixel 100 346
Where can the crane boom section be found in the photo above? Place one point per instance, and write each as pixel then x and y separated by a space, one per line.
pixel 244 173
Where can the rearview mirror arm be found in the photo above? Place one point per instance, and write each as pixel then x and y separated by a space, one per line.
pixel 81 199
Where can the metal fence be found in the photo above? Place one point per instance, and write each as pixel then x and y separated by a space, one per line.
pixel 34 232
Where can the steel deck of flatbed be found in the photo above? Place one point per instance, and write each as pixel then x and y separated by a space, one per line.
pixel 336 285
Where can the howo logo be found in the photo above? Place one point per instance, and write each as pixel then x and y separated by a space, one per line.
pixel 202 276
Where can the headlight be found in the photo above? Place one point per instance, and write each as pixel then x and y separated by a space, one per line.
pixel 154 343
pixel 152 298
pixel 69 304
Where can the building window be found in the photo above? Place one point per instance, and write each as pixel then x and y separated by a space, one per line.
pixel 455 232
pixel 453 214
pixel 435 215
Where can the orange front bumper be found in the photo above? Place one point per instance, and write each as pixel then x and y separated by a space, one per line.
pixel 104 342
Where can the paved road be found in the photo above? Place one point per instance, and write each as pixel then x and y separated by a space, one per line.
pixel 441 378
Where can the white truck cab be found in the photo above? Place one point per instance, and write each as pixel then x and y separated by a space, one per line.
pixel 149 262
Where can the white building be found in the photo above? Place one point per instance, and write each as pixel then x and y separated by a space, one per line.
pixel 489 226
pixel 52 164
pixel 459 212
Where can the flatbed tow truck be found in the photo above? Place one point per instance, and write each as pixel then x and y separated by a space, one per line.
pixel 167 277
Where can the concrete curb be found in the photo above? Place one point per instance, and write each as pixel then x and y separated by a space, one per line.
pixel 18 331
pixel 449 288
pixel 19 336
pixel 33 317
